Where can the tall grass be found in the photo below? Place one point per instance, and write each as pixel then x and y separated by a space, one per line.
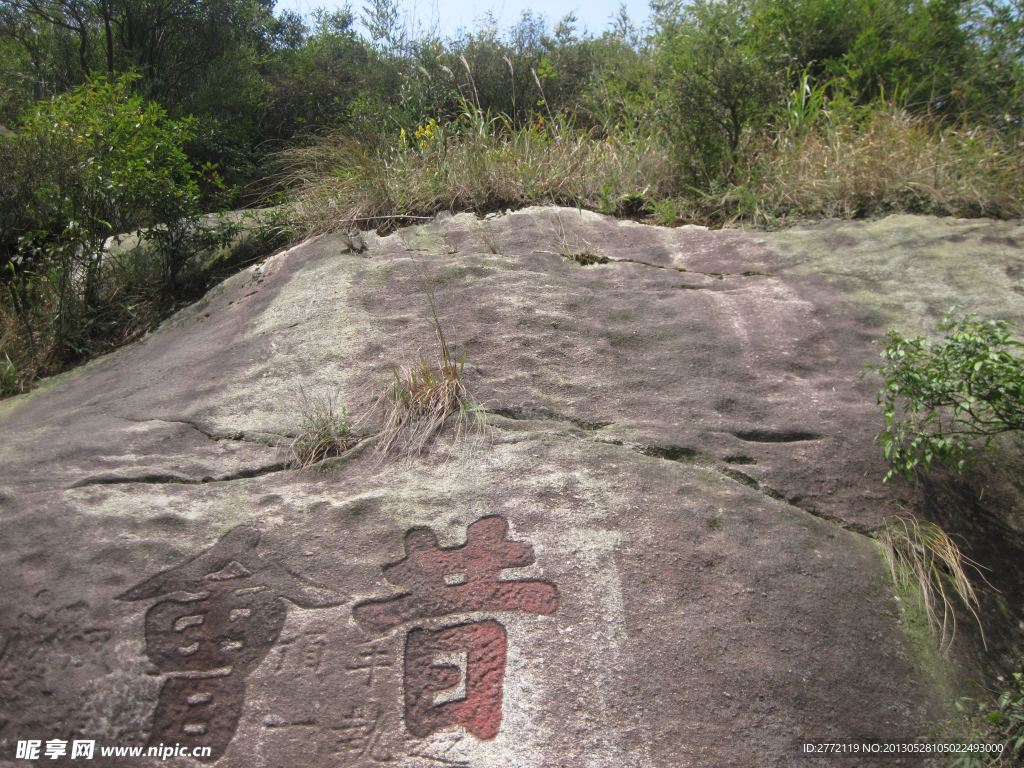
pixel 476 163
pixel 854 161
pixel 424 398
pixel 821 158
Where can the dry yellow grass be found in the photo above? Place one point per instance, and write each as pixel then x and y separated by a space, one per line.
pixel 424 399
pixel 849 161
pixel 476 165
pixel 882 159
pixel 922 557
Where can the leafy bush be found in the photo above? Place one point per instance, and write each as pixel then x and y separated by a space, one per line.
pixel 920 48
pixel 721 87
pixel 1001 722
pixel 311 87
pixel 810 35
pixel 994 87
pixel 939 399
pixel 82 170
pixel 620 94
pixel 129 168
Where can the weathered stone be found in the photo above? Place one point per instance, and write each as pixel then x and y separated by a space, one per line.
pixel 650 558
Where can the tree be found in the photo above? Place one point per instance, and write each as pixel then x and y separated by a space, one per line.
pixel 84 167
pixel 310 87
pixel 919 48
pixel 719 83
pixel 171 43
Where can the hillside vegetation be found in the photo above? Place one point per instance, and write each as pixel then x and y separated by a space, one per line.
pixel 136 116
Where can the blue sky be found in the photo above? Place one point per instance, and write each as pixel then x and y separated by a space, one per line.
pixel 594 15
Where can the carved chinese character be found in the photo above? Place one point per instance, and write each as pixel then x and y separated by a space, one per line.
pixel 476 681
pixel 357 730
pixel 458 580
pixel 223 613
pixel 453 676
pixel 371 658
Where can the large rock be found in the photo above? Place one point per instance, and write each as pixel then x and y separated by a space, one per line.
pixel 654 555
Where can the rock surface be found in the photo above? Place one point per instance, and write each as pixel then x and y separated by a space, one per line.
pixel 653 556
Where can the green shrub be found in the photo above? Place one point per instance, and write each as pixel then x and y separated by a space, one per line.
pixel 940 399
pixel 620 94
pixel 312 87
pixel 994 87
pixel 1000 722
pixel 127 169
pixel 721 90
pixel 81 171
pixel 809 35
pixel 921 48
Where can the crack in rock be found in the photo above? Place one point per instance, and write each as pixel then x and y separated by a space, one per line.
pixel 739 458
pixel 775 436
pixel 679 453
pixel 688 455
pixel 163 479
pixel 793 501
pixel 239 436
pixel 718 275
pixel 532 412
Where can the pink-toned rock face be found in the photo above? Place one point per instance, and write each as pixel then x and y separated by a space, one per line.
pixel 652 556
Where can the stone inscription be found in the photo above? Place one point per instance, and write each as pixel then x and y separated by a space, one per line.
pixel 479 706
pixel 440 582
pixel 458 580
pixel 419 658
pixel 222 613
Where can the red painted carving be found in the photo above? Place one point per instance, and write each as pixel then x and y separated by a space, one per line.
pixel 472 583
pixel 479 709
pixel 222 613
pixel 439 582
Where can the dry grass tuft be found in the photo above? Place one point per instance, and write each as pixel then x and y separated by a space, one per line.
pixel 325 431
pixel 921 556
pixel 424 399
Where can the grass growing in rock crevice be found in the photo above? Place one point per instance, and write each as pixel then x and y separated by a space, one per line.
pixel 324 431
pixel 923 558
pixel 424 399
